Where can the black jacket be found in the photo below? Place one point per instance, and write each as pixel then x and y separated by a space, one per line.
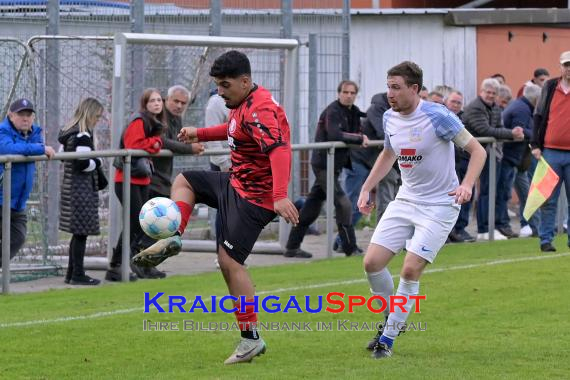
pixel 542 113
pixel 337 123
pixel 161 180
pixel 79 199
pixel 482 120
pixel 372 127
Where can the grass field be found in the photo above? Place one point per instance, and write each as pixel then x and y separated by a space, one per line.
pixel 492 311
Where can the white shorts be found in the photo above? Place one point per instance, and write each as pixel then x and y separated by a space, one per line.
pixel 421 229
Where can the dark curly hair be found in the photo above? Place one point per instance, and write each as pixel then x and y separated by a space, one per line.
pixel 231 64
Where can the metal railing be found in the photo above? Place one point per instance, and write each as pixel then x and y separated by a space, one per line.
pixel 127 154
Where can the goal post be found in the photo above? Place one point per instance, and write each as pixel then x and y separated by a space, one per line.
pixel 123 42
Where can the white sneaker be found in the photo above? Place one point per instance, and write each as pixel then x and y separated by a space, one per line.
pixel 485 236
pixel 525 232
pixel 246 350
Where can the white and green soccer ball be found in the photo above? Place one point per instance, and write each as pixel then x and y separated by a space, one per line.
pixel 160 218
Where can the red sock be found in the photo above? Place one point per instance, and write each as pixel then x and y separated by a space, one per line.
pixel 185 211
pixel 247 321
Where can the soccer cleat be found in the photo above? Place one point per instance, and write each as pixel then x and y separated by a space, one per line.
pixel 246 350
pixel 372 343
pixel 158 252
pixel 298 252
pixel 381 350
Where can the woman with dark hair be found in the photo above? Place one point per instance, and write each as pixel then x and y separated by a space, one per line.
pixel 143 132
pixel 82 178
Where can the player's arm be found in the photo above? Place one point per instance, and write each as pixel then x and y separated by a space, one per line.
pixel 381 167
pixel 467 142
pixel 280 160
pixel 192 134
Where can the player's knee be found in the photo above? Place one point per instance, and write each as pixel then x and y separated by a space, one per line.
pixel 371 263
pixel 410 273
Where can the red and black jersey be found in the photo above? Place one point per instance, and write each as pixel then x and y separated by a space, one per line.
pixel 259 138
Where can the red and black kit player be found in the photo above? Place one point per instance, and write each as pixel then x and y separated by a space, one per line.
pixel 248 197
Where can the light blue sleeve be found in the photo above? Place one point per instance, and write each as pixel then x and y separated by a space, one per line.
pixel 385 117
pixel 446 124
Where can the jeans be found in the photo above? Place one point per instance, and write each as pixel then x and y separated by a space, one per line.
pixel 505 182
pixel 354 179
pixel 559 160
pixel 522 185
pixel 483 202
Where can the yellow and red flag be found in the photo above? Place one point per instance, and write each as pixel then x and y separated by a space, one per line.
pixel 543 183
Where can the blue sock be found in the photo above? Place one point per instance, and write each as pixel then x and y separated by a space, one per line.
pixel 387 341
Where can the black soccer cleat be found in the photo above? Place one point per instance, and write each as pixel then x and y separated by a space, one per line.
pixel 381 350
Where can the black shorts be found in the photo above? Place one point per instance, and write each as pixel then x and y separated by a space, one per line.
pixel 239 222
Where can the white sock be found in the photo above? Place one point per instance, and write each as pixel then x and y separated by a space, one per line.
pixel 381 284
pixel 406 288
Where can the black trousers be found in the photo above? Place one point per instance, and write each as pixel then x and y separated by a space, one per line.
pixel 312 208
pixel 139 195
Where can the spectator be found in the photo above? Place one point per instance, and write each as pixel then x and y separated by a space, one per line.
pixel 19 135
pixel 362 160
pixel 436 97
pixel 482 118
pixel 454 102
pixel 444 90
pixel 424 93
pixel 504 96
pixel 539 77
pixel 79 199
pixel 518 113
pixel 217 113
pixel 340 121
pixel 551 140
pixel 142 132
pixel 175 106
pixel 500 78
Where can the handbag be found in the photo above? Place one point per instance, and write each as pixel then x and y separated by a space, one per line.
pixel 102 181
pixel 140 166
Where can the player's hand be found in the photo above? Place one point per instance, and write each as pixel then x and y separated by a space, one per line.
pixel 365 141
pixel 364 204
pixel 197 148
pixel 188 135
pixel 537 153
pixel 462 194
pixel 48 150
pixel 286 209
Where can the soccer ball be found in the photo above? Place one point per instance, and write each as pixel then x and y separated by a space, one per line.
pixel 160 218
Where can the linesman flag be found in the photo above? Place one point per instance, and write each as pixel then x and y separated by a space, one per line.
pixel 543 183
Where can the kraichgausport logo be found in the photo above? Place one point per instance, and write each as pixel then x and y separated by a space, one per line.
pixel 333 302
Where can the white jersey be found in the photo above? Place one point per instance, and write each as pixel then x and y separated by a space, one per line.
pixel 425 153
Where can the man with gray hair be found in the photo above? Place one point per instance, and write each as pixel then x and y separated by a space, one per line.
pixel 175 104
pixel 516 161
pixel 482 117
pixel 504 96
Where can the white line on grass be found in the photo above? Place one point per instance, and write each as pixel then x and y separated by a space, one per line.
pixel 283 290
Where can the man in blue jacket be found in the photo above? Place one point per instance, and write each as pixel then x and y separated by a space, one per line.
pixel 518 113
pixel 19 135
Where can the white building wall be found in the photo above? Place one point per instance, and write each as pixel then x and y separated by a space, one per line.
pixel 446 54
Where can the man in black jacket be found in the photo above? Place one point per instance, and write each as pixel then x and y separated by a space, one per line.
pixel 340 121
pixel 482 117
pixel 551 140
pixel 176 104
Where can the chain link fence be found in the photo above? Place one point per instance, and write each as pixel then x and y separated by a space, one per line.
pixel 56 73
